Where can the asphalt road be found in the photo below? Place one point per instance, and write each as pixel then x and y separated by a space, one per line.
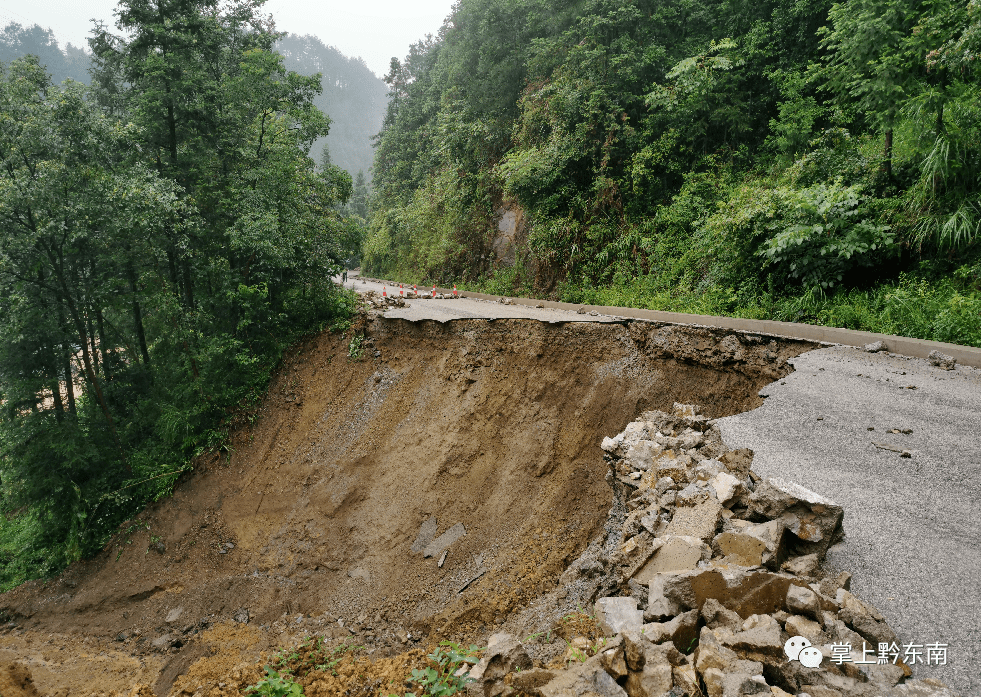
pixel 913 541
pixel 442 310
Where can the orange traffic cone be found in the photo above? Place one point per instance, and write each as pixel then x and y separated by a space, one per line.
pixel 384 294
pixel 401 292
pixel 434 290
pixel 454 289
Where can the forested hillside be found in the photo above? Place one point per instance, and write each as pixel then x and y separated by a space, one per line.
pixel 800 161
pixel 353 97
pixel 164 235
pixel 17 41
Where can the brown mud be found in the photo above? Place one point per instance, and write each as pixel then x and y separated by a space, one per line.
pixel 306 524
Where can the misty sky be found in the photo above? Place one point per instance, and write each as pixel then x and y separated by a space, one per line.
pixel 376 30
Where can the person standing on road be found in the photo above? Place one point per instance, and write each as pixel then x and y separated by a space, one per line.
pixel 344 277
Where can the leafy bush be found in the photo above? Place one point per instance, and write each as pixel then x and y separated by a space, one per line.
pixel 824 232
pixel 275 685
pixel 440 680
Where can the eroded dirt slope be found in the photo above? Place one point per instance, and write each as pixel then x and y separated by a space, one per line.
pixel 309 522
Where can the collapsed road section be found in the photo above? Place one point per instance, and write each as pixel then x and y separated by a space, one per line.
pixel 488 430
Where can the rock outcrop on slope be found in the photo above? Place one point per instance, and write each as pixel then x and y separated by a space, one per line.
pixel 709 582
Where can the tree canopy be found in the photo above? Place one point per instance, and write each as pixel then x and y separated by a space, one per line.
pixel 164 235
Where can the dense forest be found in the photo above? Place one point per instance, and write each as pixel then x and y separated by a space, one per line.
pixel 164 235
pixel 816 162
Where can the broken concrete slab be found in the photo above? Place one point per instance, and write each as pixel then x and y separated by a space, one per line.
pixel 752 545
pixel 699 521
pixel 427 531
pixel 658 606
pixel 615 615
pixel 677 553
pixel 798 625
pixel 717 615
pixel 760 637
pixel 503 655
pixel 640 456
pixel 814 519
pixel 921 688
pixel 805 566
pixel 941 360
pixel 744 591
pixel 681 631
pixel 655 679
pixel 686 679
pixel 720 684
pixel 444 541
pixel 726 487
pixel 712 654
pixel 803 601
pixel 868 622
pixel 587 679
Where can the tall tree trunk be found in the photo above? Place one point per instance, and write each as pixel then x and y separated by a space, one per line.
pixel 67 366
pixel 69 382
pixel 175 278
pixel 137 313
pixel 94 348
pixel 887 154
pixel 105 348
pixel 188 285
pixel 84 340
pixel 55 384
pixel 93 378
pixel 52 356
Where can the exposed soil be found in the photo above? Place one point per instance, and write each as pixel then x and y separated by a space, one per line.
pixel 306 525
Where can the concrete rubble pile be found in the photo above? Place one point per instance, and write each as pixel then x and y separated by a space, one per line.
pixel 716 581
pixel 380 302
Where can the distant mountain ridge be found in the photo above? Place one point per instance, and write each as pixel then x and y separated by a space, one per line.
pixel 353 97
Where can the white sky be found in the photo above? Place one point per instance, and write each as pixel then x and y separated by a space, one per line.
pixel 375 30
